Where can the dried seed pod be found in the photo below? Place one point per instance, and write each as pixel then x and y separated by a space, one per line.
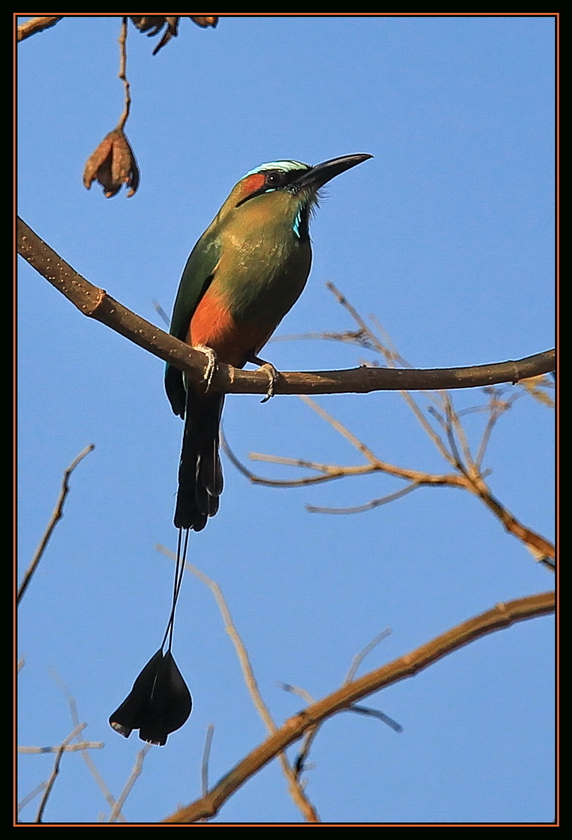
pixel 112 165
pixel 152 25
pixel 205 20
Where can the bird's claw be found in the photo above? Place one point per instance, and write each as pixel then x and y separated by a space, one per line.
pixel 273 377
pixel 212 364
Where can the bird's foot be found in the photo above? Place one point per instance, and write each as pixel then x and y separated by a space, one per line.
pixel 212 364
pixel 273 377
pixel 270 371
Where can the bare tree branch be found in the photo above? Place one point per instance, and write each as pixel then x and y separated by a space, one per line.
pixel 100 781
pixel 135 773
pixel 359 657
pixel 497 618
pixel 56 516
pixel 330 472
pixel 454 448
pixel 37 24
pixel 97 304
pixel 81 745
pixel 30 796
pixel 309 736
pixel 373 503
pixel 56 769
pixel 205 761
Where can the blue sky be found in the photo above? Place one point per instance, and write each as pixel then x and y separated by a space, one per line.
pixel 447 237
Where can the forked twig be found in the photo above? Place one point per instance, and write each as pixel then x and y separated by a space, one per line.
pixel 454 447
pixel 135 773
pixel 56 769
pixel 100 781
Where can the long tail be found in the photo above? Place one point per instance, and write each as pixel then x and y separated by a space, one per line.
pixel 200 470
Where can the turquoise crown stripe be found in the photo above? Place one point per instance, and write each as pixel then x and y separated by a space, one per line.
pixel 284 165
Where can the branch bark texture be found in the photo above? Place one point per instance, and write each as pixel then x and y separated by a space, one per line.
pixel 37 24
pixel 96 303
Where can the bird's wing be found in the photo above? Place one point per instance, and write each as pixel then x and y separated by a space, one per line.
pixel 197 277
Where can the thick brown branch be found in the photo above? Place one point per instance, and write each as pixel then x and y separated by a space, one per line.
pixel 96 303
pixel 499 617
pixel 37 24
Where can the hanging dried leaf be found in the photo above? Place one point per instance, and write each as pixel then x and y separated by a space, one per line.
pixel 112 165
pixel 146 22
pixel 205 20
pixel 152 24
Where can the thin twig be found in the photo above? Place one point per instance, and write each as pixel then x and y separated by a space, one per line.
pixel 459 434
pixel 161 312
pixel 123 74
pixel 296 791
pixel 347 337
pixel 536 387
pixel 56 516
pixel 542 549
pixel 30 796
pixel 366 710
pixel 448 425
pixel 309 737
pixel 339 427
pixel 374 503
pixel 301 762
pixel 470 476
pixel 135 773
pixel 359 657
pixel 242 653
pixel 205 762
pixel 330 471
pixel 301 692
pixel 100 781
pixel 81 745
pixel 392 358
pixel 496 409
pixel 335 471
pixel 427 427
pixel 416 476
pixel 55 771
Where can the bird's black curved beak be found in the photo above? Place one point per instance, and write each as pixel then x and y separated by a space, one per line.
pixel 320 174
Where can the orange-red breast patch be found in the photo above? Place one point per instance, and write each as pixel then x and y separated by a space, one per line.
pixel 213 325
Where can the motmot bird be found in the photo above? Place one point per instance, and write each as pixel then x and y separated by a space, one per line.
pixel 244 274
